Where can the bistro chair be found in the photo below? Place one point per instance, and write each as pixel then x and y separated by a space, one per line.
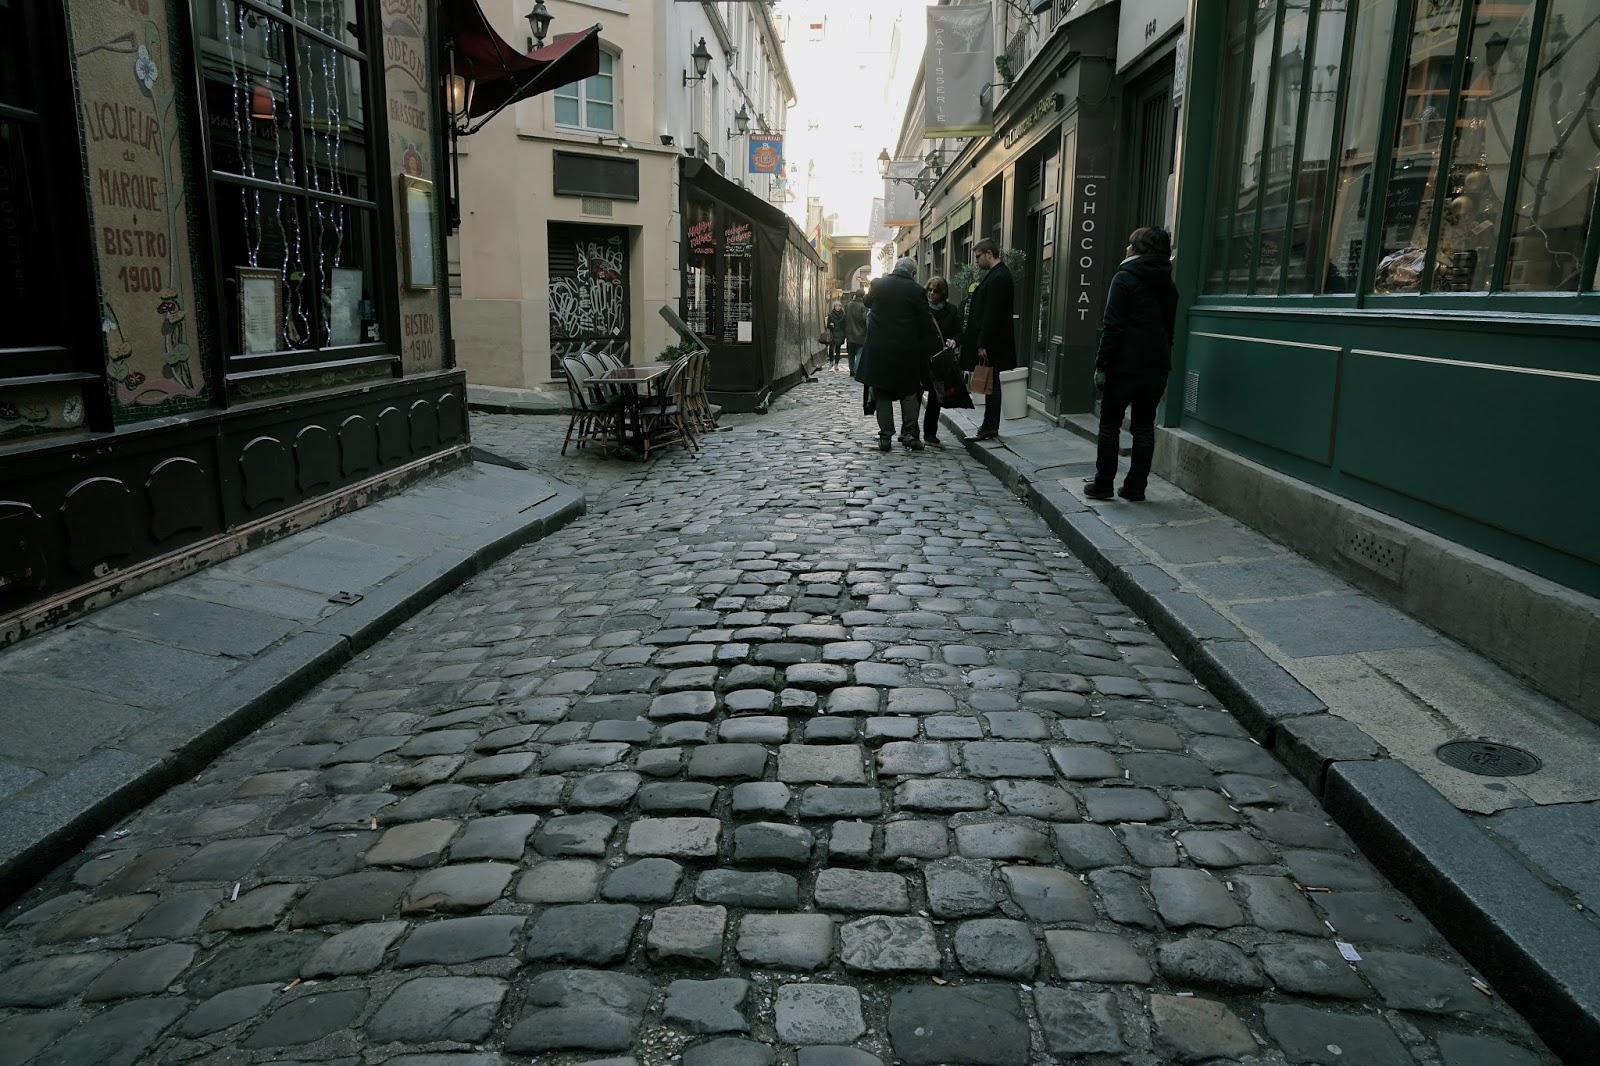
pixel 664 415
pixel 594 417
pixel 695 390
pixel 608 360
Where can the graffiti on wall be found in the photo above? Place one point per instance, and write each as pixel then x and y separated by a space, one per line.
pixel 591 298
pixel 137 200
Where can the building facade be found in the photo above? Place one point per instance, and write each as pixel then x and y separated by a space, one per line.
pixel 223 287
pixel 1083 108
pixel 581 212
pixel 1388 225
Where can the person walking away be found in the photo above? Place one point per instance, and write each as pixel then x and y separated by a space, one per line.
pixel 836 333
pixel 990 334
pixel 900 338
pixel 1134 359
pixel 947 320
pixel 855 328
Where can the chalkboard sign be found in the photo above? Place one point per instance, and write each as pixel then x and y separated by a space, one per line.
pixel 1404 202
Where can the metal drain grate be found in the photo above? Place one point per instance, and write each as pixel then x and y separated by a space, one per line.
pixel 1487 758
pixel 1376 552
pixel 1191 392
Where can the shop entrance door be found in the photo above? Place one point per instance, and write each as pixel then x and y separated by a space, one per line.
pixel 1037 319
pixel 588 292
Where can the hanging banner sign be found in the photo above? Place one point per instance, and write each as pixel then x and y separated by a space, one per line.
pixel 958 63
pixel 766 154
pixel 900 197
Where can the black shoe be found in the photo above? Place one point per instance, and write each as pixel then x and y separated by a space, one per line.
pixel 885 444
pixel 912 442
pixel 1097 492
pixel 935 441
pixel 987 434
pixel 1127 494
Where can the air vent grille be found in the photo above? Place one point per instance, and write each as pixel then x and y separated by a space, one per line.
pixel 1376 552
pixel 1191 392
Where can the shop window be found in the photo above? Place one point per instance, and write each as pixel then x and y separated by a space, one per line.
pixel 1479 185
pixel 590 104
pixel 47 355
pixel 699 268
pixel 294 186
pixel 1225 160
pixel 1279 178
pixel 1355 147
pixel 738 281
pixel 1553 209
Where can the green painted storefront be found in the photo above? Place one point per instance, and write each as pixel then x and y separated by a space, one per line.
pixel 1387 220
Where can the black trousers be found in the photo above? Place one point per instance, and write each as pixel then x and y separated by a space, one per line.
pixel 1124 391
pixel 930 413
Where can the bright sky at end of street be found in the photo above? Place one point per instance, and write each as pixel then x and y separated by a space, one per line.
pixel 853 64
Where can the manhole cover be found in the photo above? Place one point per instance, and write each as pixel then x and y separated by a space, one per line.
pixel 1487 758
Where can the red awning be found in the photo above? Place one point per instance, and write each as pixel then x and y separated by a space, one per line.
pixel 502 75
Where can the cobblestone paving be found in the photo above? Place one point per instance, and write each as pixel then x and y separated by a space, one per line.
pixel 800 753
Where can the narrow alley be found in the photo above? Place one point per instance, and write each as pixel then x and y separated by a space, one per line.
pixel 789 752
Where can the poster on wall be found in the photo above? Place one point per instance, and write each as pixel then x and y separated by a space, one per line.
pixel 409 102
pixel 132 123
pixel 957 63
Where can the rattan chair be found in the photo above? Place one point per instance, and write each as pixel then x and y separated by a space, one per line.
pixel 595 418
pixel 664 414
pixel 695 390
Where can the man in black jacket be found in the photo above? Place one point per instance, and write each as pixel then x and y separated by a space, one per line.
pixel 989 332
pixel 1134 359
pixel 900 339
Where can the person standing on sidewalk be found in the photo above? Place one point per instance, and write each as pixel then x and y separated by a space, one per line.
pixel 1134 359
pixel 947 319
pixel 855 328
pixel 990 334
pixel 900 338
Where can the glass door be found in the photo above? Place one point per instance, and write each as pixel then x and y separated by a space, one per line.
pixel 1041 293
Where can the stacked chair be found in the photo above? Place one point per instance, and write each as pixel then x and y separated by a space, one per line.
pixel 597 414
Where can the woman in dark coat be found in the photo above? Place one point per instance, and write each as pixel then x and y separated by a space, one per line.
pixel 894 363
pixel 947 320
pixel 836 329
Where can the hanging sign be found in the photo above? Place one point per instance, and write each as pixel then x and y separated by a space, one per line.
pixel 900 197
pixel 957 64
pixel 766 154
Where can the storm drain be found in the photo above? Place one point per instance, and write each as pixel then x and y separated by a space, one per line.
pixel 1488 758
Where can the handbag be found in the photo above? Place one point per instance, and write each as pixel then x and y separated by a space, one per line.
pixel 825 337
pixel 982 381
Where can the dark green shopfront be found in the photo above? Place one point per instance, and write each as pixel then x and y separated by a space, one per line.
pixel 1387 221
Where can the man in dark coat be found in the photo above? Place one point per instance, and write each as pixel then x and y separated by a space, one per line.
pixel 855 328
pixel 900 340
pixel 990 334
pixel 1134 359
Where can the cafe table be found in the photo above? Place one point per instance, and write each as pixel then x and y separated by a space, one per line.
pixel 635 383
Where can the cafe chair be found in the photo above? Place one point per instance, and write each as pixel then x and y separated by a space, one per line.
pixel 699 407
pixel 595 418
pixel 664 414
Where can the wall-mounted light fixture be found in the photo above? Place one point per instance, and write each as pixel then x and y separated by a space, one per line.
pixel 702 61
pixel 538 25
pixel 622 143
pixel 741 122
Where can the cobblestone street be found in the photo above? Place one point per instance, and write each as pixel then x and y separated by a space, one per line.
pixel 789 752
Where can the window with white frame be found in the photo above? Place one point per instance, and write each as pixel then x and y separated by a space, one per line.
pixel 590 104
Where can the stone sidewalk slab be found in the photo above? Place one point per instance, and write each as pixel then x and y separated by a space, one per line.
pixel 105 713
pixel 1345 690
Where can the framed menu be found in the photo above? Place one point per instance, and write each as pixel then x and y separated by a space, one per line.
pixel 416 216
pixel 344 306
pixel 260 310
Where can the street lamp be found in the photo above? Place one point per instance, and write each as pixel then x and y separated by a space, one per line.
pixel 883 163
pixel 741 120
pixel 538 24
pixel 702 61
